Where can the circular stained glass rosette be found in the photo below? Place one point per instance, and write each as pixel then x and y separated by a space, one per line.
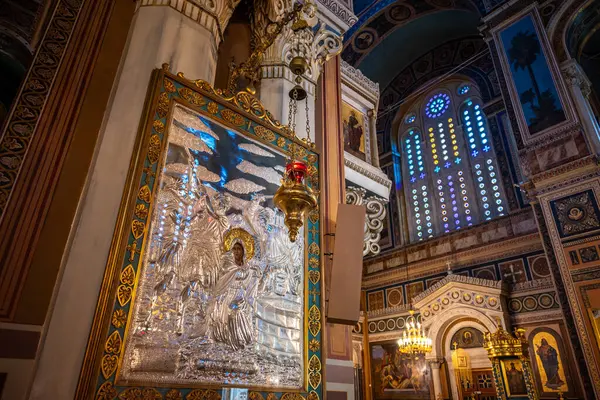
pixel 410 118
pixel 437 105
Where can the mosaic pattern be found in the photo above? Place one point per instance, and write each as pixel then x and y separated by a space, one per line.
pixel 156 325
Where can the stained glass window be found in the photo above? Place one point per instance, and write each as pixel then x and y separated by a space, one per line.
pixel 451 177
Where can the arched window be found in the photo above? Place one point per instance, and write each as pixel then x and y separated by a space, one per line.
pixel 449 166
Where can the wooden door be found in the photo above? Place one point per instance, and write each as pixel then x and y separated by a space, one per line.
pixel 479 386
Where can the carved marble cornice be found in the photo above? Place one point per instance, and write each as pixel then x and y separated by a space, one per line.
pixel 368 170
pixel 396 311
pixel 536 317
pixel 376 213
pixel 537 284
pixel 340 12
pixel 460 279
pixel 562 176
pixel 355 78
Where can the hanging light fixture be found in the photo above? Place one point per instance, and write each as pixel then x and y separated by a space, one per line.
pixel 414 341
pixel 294 197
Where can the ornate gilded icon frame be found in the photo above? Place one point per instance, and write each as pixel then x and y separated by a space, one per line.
pixel 244 114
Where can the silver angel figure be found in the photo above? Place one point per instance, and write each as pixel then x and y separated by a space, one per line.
pixel 233 308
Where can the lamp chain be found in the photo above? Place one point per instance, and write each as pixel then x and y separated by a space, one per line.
pixel 307 122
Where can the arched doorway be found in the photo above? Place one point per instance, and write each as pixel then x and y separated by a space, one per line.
pixel 458 302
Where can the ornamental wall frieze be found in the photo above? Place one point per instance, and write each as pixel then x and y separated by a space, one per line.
pixel 538 284
pixel 376 213
pixel 390 324
pixel 533 302
pixel 396 310
pixel 354 77
pixel 397 264
pixel 536 318
pixel 366 169
pixel 549 139
pixel 582 163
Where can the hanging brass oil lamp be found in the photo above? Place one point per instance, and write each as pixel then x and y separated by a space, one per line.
pixel 294 197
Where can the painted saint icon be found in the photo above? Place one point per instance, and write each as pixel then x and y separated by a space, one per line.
pixel 515 378
pixel 549 358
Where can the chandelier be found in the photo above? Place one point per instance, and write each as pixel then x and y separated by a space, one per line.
pixel 413 340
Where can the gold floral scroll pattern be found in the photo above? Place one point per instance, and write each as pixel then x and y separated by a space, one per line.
pixel 141 211
pixel 212 107
pixel 292 396
pixel 194 98
pixel 119 318
pixel 144 194
pixel 34 95
pixel 312 396
pixel 109 362
pixel 313 262
pixel 255 396
pixel 154 149
pixel 140 394
pixel 314 320
pixel 314 215
pixel 233 117
pixel 169 86
pixel 314 372
pixel 264 133
pixel 314 345
pixel 162 108
pixel 137 228
pixel 158 126
pixel 281 142
pixel 173 394
pixel 106 392
pixel 113 343
pixel 314 276
pixel 125 289
pixel 314 248
pixel 271 396
pixel 203 395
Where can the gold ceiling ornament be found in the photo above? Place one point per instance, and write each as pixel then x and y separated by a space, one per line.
pixel 414 341
pixel 502 344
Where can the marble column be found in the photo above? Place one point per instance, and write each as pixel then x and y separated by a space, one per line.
pixel 436 377
pixel 372 114
pixel 187 38
pixel 580 87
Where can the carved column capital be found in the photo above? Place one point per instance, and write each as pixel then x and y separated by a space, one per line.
pixel 575 76
pixel 376 213
pixel 316 44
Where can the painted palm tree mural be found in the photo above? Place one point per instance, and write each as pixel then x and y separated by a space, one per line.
pixel 531 75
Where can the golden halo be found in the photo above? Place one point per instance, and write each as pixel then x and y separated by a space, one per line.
pixel 238 233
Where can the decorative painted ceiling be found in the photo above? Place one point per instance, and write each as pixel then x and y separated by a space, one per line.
pixel 390 35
